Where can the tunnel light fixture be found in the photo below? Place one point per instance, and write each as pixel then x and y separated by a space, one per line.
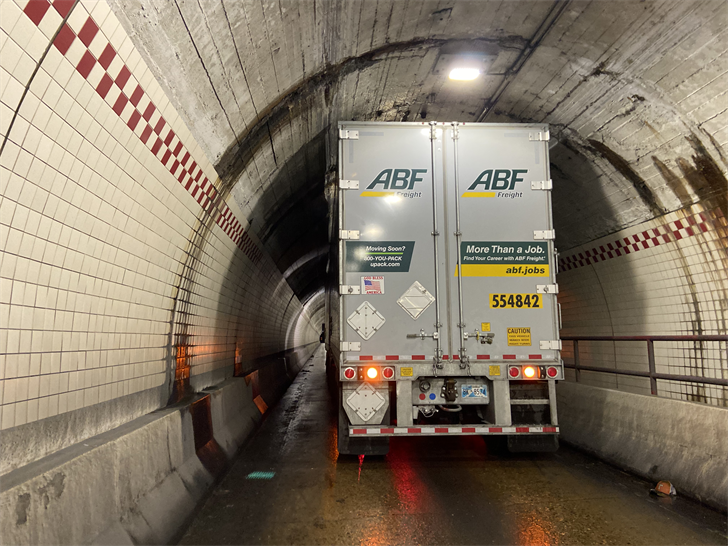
pixel 465 60
pixel 464 74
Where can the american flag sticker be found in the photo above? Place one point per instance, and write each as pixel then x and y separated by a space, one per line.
pixel 372 285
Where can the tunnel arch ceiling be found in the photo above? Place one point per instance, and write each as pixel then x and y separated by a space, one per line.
pixel 634 92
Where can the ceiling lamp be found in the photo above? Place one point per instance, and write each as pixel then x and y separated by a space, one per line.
pixel 464 74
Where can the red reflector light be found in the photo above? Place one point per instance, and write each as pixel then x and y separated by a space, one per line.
pixel 529 372
pixel 552 372
pixel 349 373
pixel 372 373
pixel 513 371
pixel 388 373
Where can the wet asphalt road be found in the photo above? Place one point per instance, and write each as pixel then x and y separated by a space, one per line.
pixel 428 491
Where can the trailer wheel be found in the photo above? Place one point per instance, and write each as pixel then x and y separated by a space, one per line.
pixel 357 446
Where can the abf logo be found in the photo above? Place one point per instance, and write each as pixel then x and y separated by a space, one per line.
pixel 401 180
pixel 499 179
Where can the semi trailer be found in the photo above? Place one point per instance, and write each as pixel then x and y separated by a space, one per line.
pixel 441 292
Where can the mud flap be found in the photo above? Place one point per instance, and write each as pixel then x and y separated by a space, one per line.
pixel 541 443
pixel 358 446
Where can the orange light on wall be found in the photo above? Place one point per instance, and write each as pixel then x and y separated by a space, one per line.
pixel 529 371
pixel 372 373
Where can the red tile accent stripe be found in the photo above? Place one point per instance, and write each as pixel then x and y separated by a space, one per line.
pixel 36 10
pixel 88 32
pixel 690 226
pixel 64 39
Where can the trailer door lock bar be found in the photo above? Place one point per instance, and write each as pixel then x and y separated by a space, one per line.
pixel 423 335
pixel 483 337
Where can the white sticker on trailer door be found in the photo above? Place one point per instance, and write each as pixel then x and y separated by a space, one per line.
pixel 372 285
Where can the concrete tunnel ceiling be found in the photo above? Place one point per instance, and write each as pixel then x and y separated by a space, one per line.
pixel 634 92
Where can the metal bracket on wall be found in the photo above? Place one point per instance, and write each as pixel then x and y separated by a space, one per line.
pixel 345 234
pixel 547 288
pixel 540 135
pixel 349 184
pixel 545 234
pixel 346 289
pixel 345 134
pixel 353 346
pixel 542 184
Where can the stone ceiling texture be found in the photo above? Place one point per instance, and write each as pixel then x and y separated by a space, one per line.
pixel 634 91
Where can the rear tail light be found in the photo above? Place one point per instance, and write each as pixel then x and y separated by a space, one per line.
pixel 529 371
pixel 370 373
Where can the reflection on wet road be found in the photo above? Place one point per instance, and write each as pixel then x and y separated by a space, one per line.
pixel 290 487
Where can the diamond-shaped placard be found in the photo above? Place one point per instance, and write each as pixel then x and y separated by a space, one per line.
pixel 415 300
pixel 366 320
pixel 365 401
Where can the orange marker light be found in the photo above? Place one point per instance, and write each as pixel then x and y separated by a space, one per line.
pixel 529 371
pixel 372 373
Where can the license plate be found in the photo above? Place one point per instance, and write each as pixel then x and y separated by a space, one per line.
pixel 474 391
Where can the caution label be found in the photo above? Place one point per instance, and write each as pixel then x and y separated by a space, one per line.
pixel 406 372
pixel 485 326
pixel 519 337
pixel 494 370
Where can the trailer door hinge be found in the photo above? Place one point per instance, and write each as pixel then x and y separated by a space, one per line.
pixel 353 346
pixel 552 345
pixel 542 185
pixel 540 135
pixel 349 184
pixel 546 234
pixel 547 288
pixel 345 134
pixel 345 234
pixel 346 289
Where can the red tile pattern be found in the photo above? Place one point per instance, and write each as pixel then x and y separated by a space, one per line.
pixel 701 222
pixel 184 168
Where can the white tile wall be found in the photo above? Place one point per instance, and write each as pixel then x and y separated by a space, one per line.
pixel 94 229
pixel 676 287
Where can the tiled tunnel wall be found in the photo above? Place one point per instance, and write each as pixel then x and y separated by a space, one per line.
pixel 668 276
pixel 121 264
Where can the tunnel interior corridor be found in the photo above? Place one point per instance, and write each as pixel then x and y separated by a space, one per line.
pixel 165 167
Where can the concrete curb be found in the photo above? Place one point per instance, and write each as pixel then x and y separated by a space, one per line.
pixel 141 482
pixel 657 438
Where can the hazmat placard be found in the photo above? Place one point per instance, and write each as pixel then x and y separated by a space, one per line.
pixel 504 259
pixel 519 337
pixel 372 285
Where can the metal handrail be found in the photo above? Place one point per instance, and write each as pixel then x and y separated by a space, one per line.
pixel 652 373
